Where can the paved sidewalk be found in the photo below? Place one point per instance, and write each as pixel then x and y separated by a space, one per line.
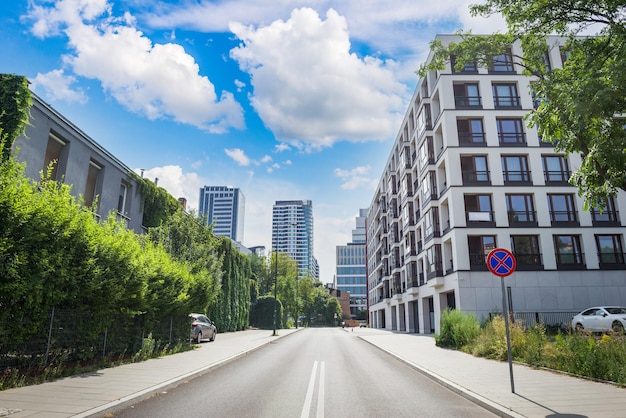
pixel 95 393
pixel 538 393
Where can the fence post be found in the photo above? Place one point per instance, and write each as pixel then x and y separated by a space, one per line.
pixel 171 325
pixel 49 337
pixel 104 348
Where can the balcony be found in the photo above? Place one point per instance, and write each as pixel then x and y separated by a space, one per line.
pixel 480 219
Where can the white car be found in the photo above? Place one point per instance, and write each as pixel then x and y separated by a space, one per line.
pixel 601 319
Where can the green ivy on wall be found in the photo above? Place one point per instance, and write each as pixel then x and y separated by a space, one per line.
pixel 15 103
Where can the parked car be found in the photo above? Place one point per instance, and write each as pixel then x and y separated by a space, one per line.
pixel 601 319
pixel 202 328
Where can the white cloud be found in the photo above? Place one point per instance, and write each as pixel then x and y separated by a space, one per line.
pixel 355 178
pixel 177 183
pixel 309 89
pixel 282 147
pixel 154 80
pixel 239 156
pixel 266 159
pixel 58 86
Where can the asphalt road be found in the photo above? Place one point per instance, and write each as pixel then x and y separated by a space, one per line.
pixel 318 372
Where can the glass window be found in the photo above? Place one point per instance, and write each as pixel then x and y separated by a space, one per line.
pixel 567 249
pixel 93 174
pixel 466 95
pixel 562 207
pixel 478 208
pixel 555 168
pixel 520 208
pixel 511 131
pixel 526 249
pixel 467 67
pixel 610 249
pixel 502 62
pixel 515 168
pixel 470 131
pixel 54 150
pixel 479 247
pixel 474 168
pixel 606 214
pixel 505 95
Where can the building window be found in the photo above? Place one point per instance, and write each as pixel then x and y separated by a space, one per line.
pixel 610 250
pixel 505 95
pixel 470 131
pixel 562 208
pixel 122 201
pixel 526 250
pixel 511 131
pixel 502 63
pixel 426 153
pixel 555 169
pixel 515 169
pixel 568 250
pixel 424 120
pixel 479 247
pixel 520 209
pixel 52 159
pixel 474 169
pixel 91 188
pixel 466 95
pixel 468 67
pixel 478 210
pixel 431 224
pixel 434 266
pixel 608 215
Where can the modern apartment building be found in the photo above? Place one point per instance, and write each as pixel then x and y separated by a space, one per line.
pixel 350 270
pixel 223 207
pixel 292 233
pixel 52 141
pixel 466 175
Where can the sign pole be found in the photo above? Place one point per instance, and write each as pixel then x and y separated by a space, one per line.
pixel 505 311
pixel 502 263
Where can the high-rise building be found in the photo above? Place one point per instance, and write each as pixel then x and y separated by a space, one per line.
pixel 467 175
pixel 292 233
pixel 224 208
pixel 350 269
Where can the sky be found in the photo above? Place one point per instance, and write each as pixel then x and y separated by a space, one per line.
pixel 283 99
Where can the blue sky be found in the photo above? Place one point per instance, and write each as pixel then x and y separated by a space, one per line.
pixel 285 99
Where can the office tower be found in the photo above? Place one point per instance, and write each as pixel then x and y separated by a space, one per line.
pixel 350 269
pixel 224 208
pixel 292 233
pixel 467 175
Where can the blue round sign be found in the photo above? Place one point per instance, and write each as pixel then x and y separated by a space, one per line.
pixel 501 262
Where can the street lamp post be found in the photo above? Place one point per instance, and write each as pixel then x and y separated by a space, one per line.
pixel 275 289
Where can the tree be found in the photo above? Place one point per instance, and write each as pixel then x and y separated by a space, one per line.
pixel 583 103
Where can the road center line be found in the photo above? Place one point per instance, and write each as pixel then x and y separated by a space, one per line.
pixel 320 394
pixel 306 408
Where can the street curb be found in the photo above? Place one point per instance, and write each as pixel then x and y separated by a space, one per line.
pixel 485 403
pixel 145 394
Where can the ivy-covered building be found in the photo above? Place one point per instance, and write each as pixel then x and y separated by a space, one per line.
pixel 54 145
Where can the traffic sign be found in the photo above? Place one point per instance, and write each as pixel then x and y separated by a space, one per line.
pixel 501 262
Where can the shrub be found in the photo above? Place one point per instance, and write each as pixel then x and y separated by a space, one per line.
pixel 457 329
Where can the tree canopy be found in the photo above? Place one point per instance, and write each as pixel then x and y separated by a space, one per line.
pixel 583 104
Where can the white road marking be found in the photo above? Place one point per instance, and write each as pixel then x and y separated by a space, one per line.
pixel 306 408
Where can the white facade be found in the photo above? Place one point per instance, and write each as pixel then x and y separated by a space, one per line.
pixel 292 233
pixel 224 207
pixel 467 175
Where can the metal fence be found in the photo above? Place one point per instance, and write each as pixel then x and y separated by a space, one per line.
pixel 70 336
pixel 555 320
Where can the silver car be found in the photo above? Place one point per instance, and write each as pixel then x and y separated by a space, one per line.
pixel 202 328
pixel 601 319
